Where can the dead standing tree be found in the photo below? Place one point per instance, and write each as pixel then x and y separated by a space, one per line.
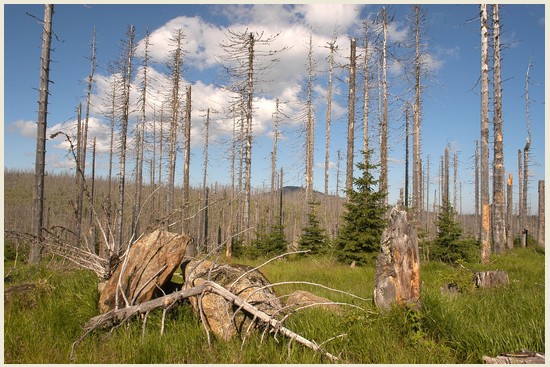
pixel 176 74
pixel 127 69
pixel 40 160
pixel 498 222
pixel 310 124
pixel 351 115
pixel 523 206
pixel 485 233
pixel 244 59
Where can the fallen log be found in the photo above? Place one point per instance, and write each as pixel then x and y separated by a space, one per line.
pixel 115 316
pixel 515 358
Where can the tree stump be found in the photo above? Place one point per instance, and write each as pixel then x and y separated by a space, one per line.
pixel 219 314
pixel 148 266
pixel 491 279
pixel 397 277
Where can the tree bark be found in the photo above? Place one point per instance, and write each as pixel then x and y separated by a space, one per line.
pixel 509 214
pixel 384 121
pixel 351 116
pixel 310 127
pixel 187 161
pixel 406 194
pixel 498 222
pixel 541 214
pixel 417 173
pixel 485 235
pixel 40 160
pixel 332 48
pixel 127 78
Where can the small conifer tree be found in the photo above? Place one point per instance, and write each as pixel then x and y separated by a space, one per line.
pixel 313 237
pixel 364 219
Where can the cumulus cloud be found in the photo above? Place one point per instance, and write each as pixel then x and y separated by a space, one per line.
pixel 24 128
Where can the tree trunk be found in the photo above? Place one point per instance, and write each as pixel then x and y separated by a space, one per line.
pixel 485 235
pixel 40 160
pixel 519 228
pixel 476 197
pixel 541 214
pixel 417 174
pixel 127 78
pixel 498 222
pixel 384 121
pixel 248 158
pixel 92 196
pixel 406 201
pixel 177 55
pixel 509 214
pixel 310 126
pixel 274 161
pixel 351 116
pixel 79 178
pixel 332 47
pixel 187 160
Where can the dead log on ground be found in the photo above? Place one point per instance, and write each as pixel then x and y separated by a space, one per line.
pixel 516 358
pixel 114 317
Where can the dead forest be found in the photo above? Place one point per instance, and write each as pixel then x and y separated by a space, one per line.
pixel 97 220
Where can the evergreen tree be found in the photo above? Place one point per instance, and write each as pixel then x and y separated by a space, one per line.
pixel 313 237
pixel 269 244
pixel 449 246
pixel 364 219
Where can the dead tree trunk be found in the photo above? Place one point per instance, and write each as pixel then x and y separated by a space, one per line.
pixel 366 91
pixel 523 221
pixel 384 121
pixel 187 161
pixel 498 222
pixel 406 199
pixel 40 160
pixel 332 48
pixel 417 172
pixel 127 78
pixel 541 214
pixel 509 214
pixel 485 235
pixel 248 155
pixel 310 126
pixel 176 66
pixel 476 198
pixel 519 228
pixel 79 178
pixel 351 116
pixel 274 161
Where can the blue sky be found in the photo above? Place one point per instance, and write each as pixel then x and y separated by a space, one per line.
pixel 451 103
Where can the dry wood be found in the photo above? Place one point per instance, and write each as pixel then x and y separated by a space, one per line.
pixel 516 358
pixel 115 317
pixel 351 116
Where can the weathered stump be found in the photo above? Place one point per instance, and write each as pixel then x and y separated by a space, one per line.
pixel 491 279
pixel 219 314
pixel 150 264
pixel 397 277
pixel 304 298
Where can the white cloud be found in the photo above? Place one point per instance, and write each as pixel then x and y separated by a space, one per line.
pixel 25 128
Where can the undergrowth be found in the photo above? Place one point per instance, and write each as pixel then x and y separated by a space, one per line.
pixel 40 326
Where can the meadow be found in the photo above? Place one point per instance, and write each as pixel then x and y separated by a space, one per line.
pixel 41 325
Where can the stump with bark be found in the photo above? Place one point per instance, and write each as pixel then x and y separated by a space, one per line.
pixel 397 277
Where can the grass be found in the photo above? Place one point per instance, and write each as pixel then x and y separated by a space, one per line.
pixel 40 326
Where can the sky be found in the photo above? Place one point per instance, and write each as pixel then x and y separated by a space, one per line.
pixel 450 100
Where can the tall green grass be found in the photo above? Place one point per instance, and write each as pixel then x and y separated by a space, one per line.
pixel 41 326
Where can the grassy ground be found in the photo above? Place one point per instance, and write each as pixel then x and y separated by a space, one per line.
pixel 40 326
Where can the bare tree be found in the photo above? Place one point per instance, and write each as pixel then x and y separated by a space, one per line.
pixel 186 161
pixel 310 125
pixel 485 235
pixel 509 213
pixel 351 115
pixel 332 47
pixel 476 180
pixel 176 74
pixel 520 193
pixel 274 159
pixel 523 215
pixel 498 222
pixel 406 194
pixel 242 57
pixel 384 120
pixel 140 138
pixel 40 160
pixel 127 69
pixel 418 60
pixel 540 236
